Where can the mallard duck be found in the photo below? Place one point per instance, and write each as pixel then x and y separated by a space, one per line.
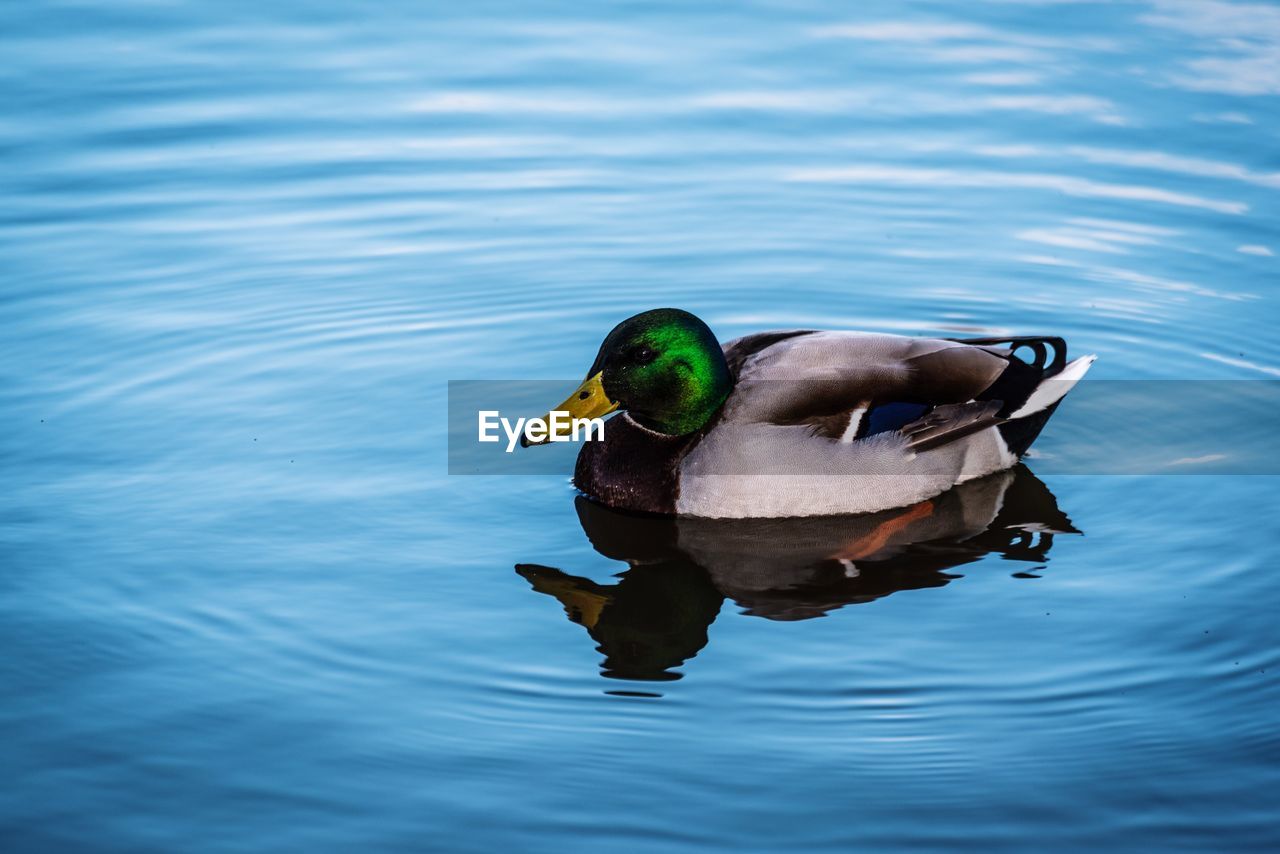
pixel 803 422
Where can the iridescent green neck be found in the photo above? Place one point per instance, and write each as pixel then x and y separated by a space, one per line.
pixel 697 402
pixel 667 369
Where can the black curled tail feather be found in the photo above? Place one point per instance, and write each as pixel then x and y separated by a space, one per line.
pixel 1039 345
pixel 1016 384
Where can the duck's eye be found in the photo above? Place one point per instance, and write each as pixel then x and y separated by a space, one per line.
pixel 644 355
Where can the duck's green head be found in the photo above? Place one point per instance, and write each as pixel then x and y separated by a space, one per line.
pixel 664 367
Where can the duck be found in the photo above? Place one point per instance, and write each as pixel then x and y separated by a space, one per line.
pixel 804 422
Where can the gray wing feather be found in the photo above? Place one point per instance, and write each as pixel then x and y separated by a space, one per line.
pixel 950 422
pixel 803 377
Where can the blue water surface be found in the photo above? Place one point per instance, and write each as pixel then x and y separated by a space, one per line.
pixel 245 246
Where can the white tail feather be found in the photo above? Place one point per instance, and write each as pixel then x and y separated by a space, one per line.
pixel 1054 388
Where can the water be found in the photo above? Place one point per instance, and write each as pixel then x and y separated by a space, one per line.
pixel 244 607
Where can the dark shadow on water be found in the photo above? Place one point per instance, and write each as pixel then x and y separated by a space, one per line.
pixel 656 616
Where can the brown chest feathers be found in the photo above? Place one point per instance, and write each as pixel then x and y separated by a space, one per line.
pixel 633 468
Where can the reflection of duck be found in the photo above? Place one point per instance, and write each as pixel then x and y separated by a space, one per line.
pixel 805 423
pixel 657 615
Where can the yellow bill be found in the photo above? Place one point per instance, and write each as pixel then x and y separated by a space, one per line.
pixel 587 401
